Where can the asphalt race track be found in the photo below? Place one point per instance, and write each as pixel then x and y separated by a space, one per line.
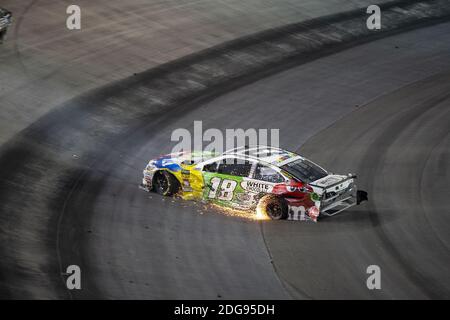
pixel 398 144
pixel 189 254
pixel 379 109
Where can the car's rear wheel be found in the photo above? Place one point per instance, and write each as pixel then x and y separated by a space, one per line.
pixel 273 206
pixel 165 183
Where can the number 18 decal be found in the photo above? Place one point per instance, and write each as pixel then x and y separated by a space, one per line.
pixel 226 188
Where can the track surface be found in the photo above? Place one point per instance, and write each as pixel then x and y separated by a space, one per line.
pixel 145 246
pixel 131 244
pixel 399 145
pixel 46 64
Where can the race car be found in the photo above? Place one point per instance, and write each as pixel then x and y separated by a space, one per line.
pixel 266 181
pixel 5 22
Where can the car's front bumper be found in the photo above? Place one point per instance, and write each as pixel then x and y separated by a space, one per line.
pixel 147 178
pixel 338 204
pixel 337 197
pixel 5 23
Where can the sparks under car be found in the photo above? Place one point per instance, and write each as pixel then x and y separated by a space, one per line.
pixel 269 181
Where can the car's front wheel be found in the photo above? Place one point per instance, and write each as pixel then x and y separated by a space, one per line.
pixel 272 206
pixel 165 183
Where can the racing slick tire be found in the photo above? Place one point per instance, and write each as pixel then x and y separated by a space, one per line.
pixel 274 207
pixel 165 183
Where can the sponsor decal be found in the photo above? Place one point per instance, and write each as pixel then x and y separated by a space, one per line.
pixel 297 213
pixel 315 197
pixel 256 186
pixel 221 189
pixel 167 163
pixel 284 157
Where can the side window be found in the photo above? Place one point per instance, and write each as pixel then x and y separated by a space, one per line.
pixel 211 167
pixel 234 167
pixel 267 174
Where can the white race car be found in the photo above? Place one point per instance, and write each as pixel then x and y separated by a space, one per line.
pixel 269 181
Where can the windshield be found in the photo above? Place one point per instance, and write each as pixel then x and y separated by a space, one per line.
pixel 304 170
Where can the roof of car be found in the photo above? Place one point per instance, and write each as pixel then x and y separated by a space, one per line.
pixel 272 155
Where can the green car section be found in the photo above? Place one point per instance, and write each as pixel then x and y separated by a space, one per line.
pixel 223 189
